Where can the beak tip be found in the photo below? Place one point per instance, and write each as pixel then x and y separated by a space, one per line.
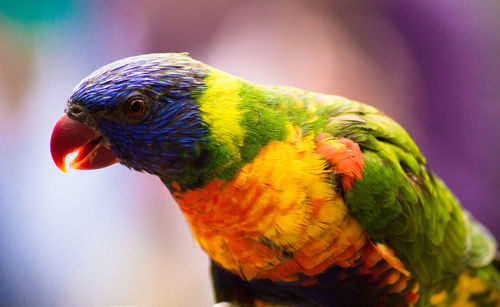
pixel 59 162
pixel 62 167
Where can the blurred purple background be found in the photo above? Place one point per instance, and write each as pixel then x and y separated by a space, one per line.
pixel 115 237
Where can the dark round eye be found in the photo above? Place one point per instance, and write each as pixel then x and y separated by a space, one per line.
pixel 136 107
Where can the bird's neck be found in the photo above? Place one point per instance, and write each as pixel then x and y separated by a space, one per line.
pixel 241 118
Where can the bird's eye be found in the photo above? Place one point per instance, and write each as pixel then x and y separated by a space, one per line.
pixel 136 107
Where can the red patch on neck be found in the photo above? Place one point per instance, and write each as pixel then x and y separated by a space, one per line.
pixel 345 157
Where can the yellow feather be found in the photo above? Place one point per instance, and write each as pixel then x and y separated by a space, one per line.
pixel 219 105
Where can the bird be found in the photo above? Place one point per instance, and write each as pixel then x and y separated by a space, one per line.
pixel 298 198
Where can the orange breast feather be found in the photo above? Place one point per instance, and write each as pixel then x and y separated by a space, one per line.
pixel 278 217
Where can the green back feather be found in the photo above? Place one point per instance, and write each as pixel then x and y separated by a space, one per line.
pixel 401 203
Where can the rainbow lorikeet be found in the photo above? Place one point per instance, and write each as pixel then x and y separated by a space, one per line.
pixel 299 198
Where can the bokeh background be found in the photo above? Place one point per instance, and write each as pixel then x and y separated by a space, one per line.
pixel 115 237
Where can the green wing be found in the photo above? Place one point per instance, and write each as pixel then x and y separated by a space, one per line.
pixel 401 203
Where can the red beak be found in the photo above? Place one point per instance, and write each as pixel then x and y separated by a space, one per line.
pixel 69 136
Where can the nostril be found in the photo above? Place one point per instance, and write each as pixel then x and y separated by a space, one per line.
pixel 76 112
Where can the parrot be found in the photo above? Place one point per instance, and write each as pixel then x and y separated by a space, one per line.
pixel 298 198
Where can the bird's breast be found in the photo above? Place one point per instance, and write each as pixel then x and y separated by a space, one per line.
pixel 278 217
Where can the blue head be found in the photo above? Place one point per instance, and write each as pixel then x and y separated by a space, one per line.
pixel 145 107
